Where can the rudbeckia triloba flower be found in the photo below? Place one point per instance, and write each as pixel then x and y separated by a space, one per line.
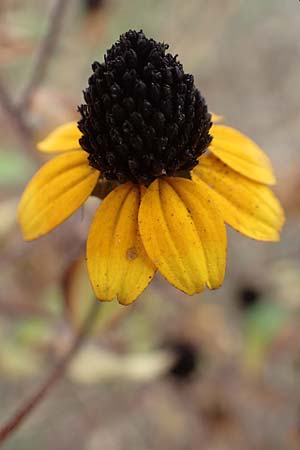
pixel 170 176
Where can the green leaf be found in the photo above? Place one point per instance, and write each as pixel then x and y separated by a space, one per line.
pixel 263 324
pixel 15 168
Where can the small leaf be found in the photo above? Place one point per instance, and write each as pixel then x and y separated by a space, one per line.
pixel 263 325
pixel 15 168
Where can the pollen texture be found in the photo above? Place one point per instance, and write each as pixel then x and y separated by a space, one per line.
pixel 143 116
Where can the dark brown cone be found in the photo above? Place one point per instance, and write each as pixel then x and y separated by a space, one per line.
pixel 142 117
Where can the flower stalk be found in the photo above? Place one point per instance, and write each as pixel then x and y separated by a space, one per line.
pixel 13 423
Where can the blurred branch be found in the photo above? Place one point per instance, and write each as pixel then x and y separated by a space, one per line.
pixel 13 423
pixel 15 118
pixel 15 112
pixel 45 52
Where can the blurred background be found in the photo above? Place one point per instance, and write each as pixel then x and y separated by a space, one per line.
pixel 217 371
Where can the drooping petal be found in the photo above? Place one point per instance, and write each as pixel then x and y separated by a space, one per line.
pixel 56 191
pixel 117 262
pixel 183 234
pixel 246 205
pixel 62 139
pixel 241 154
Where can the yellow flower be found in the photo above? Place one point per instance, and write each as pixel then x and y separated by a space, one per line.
pixel 169 206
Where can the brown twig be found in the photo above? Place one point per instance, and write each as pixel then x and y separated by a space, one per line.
pixel 15 118
pixel 44 52
pixel 13 423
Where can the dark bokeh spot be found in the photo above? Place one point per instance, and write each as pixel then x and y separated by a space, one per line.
pixel 93 5
pixel 247 297
pixel 187 357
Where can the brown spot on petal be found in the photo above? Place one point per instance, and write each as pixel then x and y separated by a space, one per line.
pixel 131 253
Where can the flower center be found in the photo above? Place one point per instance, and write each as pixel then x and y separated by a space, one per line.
pixel 143 117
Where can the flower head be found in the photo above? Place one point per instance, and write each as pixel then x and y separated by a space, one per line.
pixel 173 176
pixel 143 116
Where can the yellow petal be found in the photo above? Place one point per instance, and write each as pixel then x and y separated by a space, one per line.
pixel 117 263
pixel 63 138
pixel 59 188
pixel 183 234
pixel 241 154
pixel 247 206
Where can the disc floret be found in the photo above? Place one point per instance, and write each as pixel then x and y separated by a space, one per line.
pixel 143 116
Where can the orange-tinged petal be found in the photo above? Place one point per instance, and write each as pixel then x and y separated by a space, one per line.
pixel 56 191
pixel 62 139
pixel 117 263
pixel 183 234
pixel 247 206
pixel 241 154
